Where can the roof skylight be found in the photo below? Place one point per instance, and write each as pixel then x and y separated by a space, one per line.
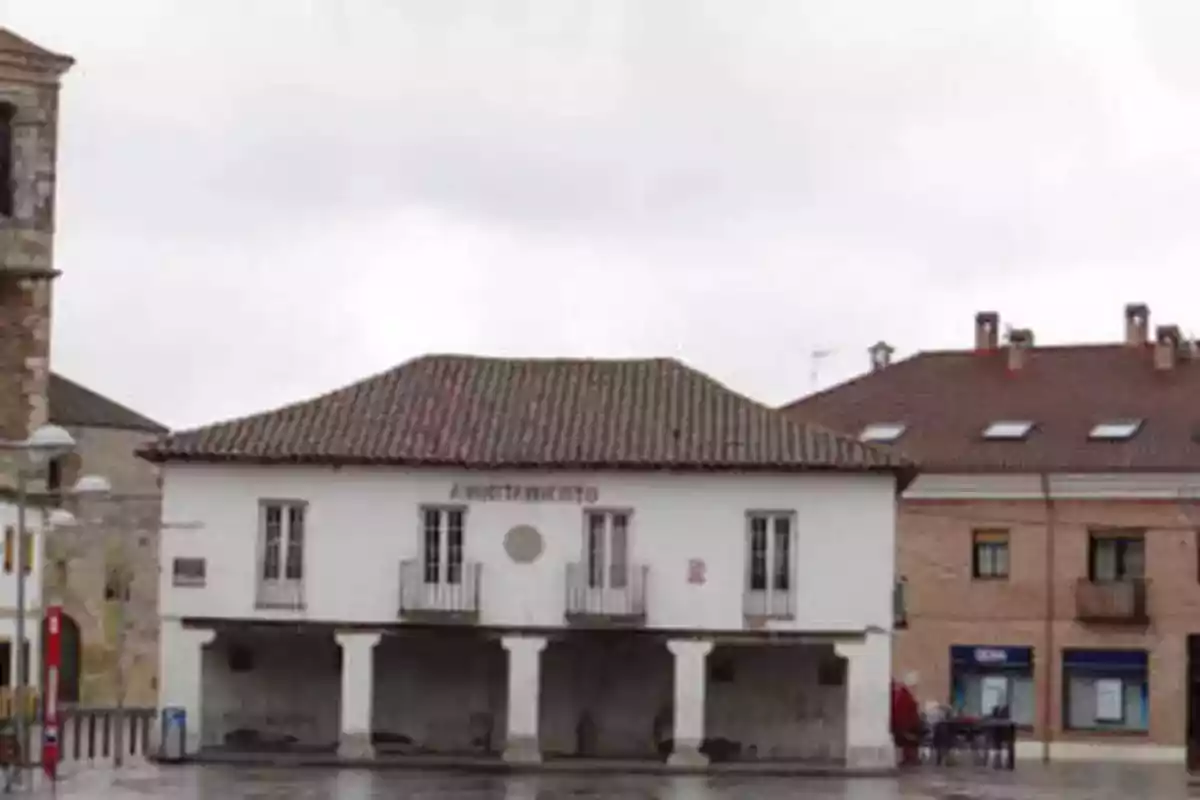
pixel 1008 429
pixel 1115 430
pixel 882 432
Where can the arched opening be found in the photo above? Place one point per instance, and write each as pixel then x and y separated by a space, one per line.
pixel 70 656
pixel 7 160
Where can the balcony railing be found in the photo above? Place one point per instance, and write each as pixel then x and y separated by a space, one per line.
pixel 900 604
pixel 770 603
pixel 1121 601
pixel 623 602
pixel 285 595
pixel 454 593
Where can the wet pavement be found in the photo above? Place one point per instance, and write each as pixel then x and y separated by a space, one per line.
pixel 1084 782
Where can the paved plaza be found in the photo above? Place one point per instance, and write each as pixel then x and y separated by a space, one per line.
pixel 1090 782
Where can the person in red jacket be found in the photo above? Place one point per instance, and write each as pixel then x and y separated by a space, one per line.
pixel 906 724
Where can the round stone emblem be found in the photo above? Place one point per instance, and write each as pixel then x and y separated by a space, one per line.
pixel 523 544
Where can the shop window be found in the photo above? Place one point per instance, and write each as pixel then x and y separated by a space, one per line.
pixel 1106 690
pixel 990 679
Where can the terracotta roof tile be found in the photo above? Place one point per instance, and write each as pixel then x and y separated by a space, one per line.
pixel 450 410
pixel 946 399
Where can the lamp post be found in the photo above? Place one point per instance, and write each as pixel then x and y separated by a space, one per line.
pixel 33 455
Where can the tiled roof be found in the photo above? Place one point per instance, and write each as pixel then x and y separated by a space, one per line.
pixel 75 405
pixel 946 399
pixel 465 411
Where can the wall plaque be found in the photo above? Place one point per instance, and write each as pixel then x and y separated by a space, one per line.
pixel 523 544
pixel 520 493
pixel 696 571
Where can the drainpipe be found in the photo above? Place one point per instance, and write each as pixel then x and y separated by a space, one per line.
pixel 1048 685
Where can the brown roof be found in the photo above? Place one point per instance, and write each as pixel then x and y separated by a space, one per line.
pixel 77 406
pixel 946 399
pixel 465 411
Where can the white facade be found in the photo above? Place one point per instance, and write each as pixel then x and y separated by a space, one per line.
pixel 696 567
pixel 33 589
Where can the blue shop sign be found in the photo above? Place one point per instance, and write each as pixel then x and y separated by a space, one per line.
pixel 1106 660
pixel 988 656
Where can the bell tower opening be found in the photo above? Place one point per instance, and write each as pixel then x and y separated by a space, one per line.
pixel 8 113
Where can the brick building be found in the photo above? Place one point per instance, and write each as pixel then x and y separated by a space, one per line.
pixel 78 565
pixel 1048 555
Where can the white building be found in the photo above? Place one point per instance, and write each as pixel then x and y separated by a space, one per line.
pixel 34 523
pixel 534 559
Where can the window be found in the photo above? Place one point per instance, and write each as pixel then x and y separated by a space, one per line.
pixel 1116 430
pixel 188 571
pixel 993 679
pixel 607 549
pixel 8 113
pixel 1008 429
pixel 10 554
pixel 442 544
pixel 900 603
pixel 283 541
pixel 882 432
pixel 769 562
pixel 1106 690
pixel 989 557
pixel 117 584
pixel 54 475
pixel 1116 556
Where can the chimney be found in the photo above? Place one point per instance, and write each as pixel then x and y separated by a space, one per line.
pixel 1137 324
pixel 1167 339
pixel 1020 340
pixel 881 355
pixel 987 330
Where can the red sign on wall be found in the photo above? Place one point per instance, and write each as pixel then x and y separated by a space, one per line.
pixel 53 650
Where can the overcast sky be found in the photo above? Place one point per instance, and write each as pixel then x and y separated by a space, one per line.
pixel 264 199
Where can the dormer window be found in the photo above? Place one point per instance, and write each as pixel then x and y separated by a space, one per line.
pixel 1116 430
pixel 882 432
pixel 1008 429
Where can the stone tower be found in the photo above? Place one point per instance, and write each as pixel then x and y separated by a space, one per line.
pixel 29 83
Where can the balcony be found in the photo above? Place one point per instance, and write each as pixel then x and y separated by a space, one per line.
pixel 280 595
pixel 1112 602
pixel 622 602
pixel 771 603
pixel 452 597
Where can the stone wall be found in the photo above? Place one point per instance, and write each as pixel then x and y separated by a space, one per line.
pixel 29 88
pixel 110 452
pixel 114 544
pixel 123 530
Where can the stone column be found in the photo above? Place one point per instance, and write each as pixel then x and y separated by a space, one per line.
pixel 358 693
pixel 868 702
pixel 181 675
pixel 524 697
pixel 691 684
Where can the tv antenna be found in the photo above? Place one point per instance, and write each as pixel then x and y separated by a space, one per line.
pixel 815 357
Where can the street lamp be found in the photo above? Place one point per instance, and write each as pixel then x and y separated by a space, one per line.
pixel 34 454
